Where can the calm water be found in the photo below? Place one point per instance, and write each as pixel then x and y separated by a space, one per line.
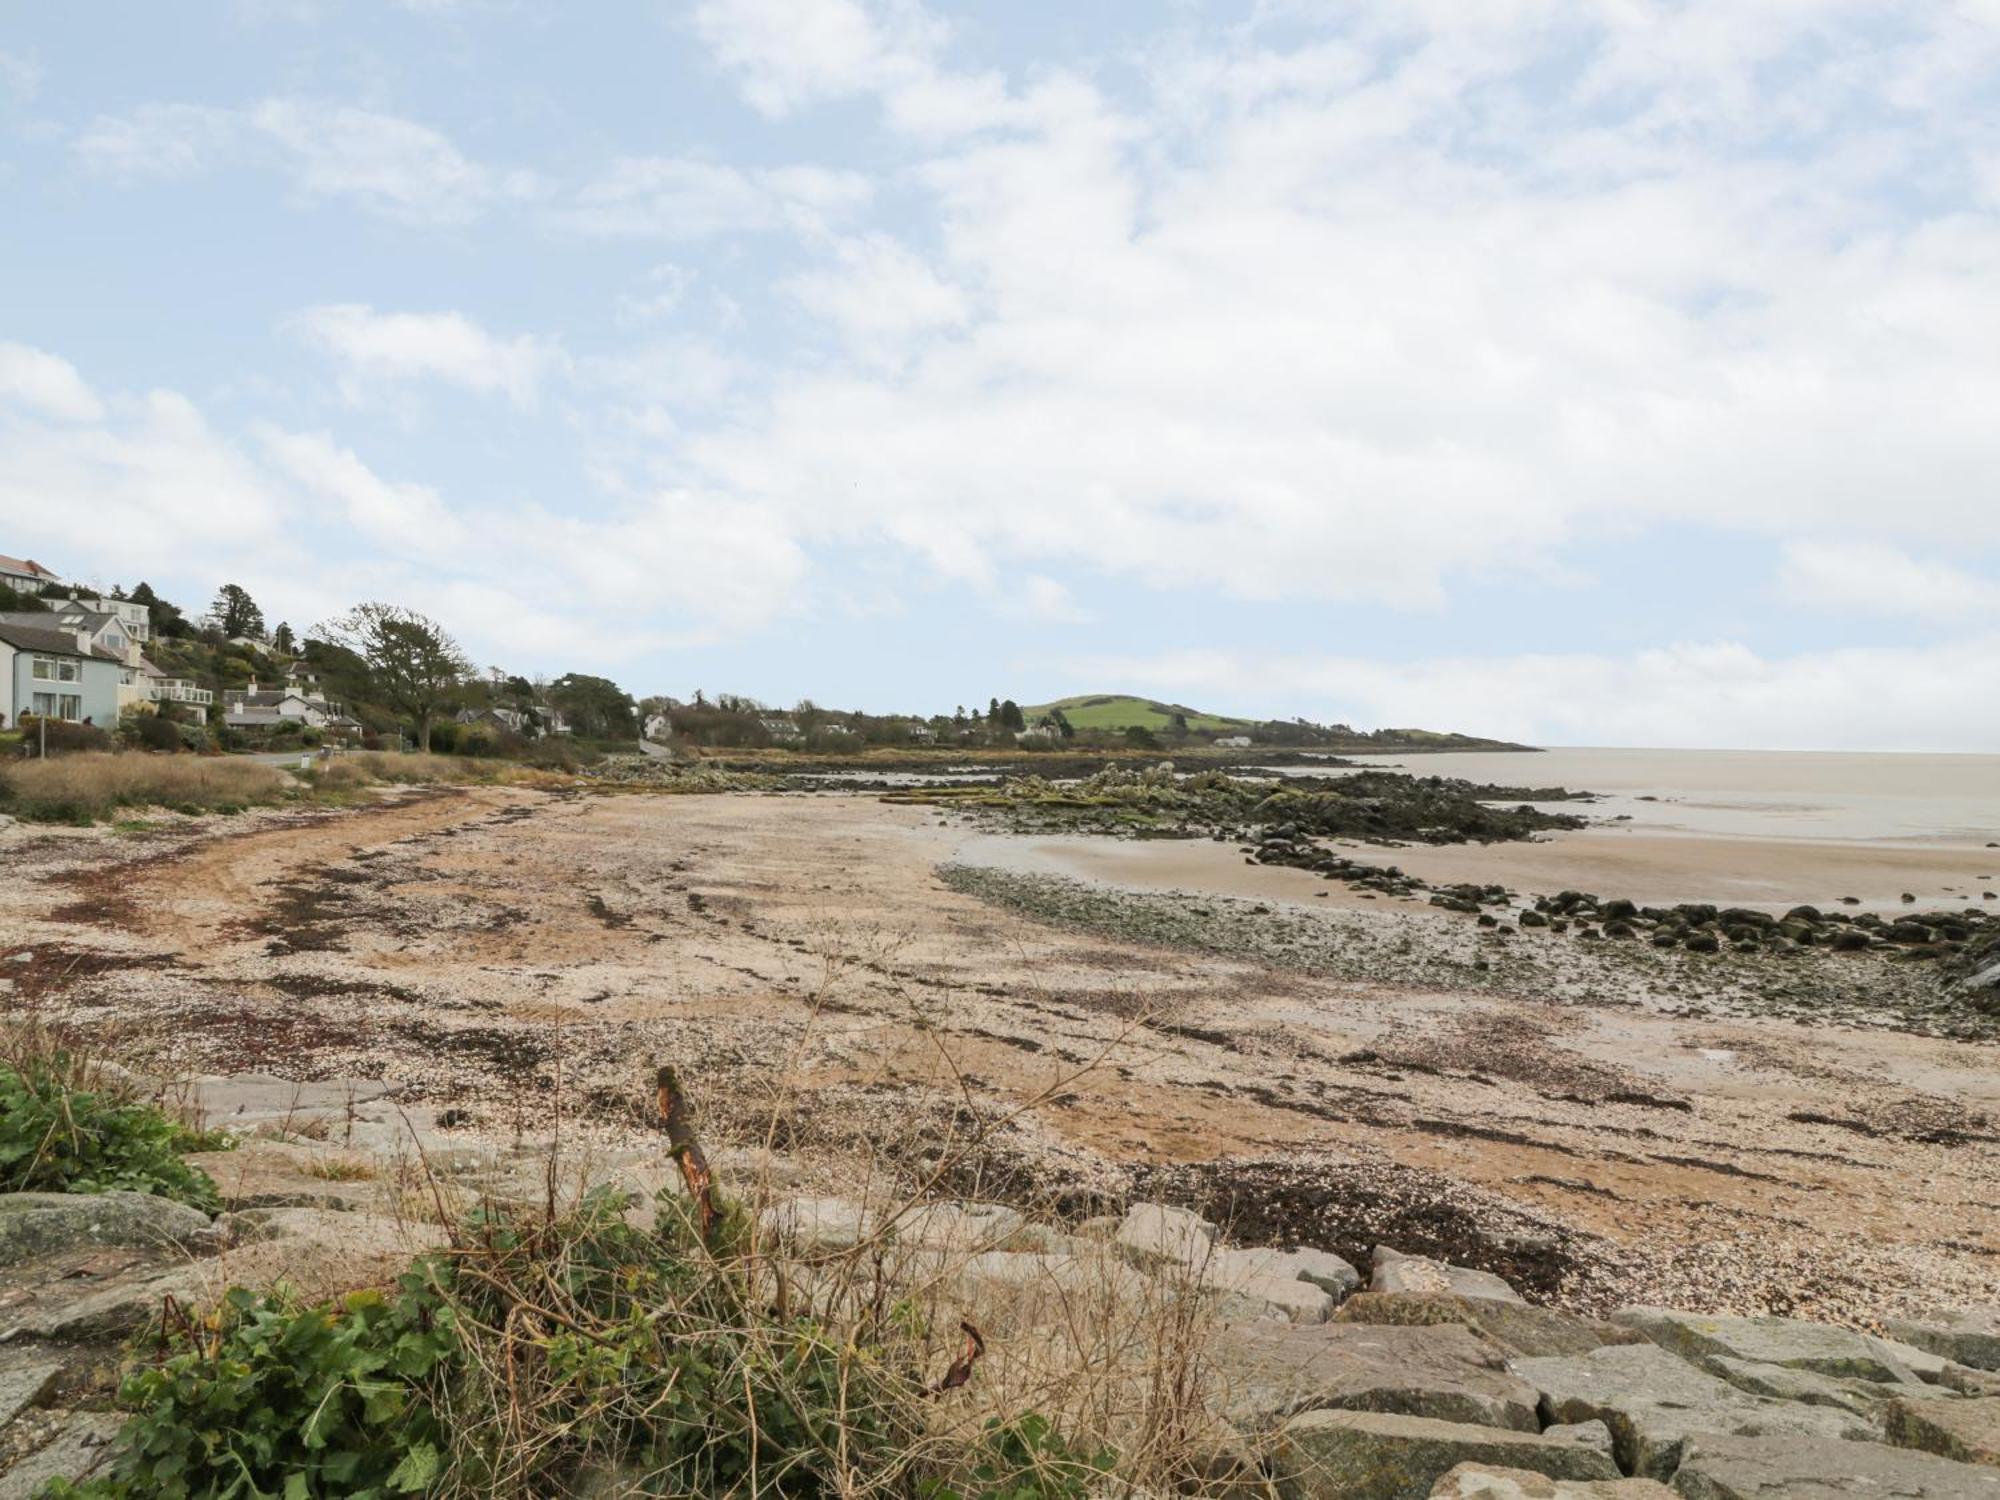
pixel 1759 793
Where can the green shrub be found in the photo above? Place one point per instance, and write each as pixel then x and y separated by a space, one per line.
pixel 60 737
pixel 151 732
pixel 58 1138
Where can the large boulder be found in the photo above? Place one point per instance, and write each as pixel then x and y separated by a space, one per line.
pixel 1517 1327
pixel 26 1376
pixel 1486 1482
pixel 79 1446
pixel 1297 1285
pixel 1970 1337
pixel 1783 1341
pixel 1154 1236
pixel 1958 1427
pixel 33 1225
pixel 1363 1455
pixel 1266 1372
pixel 1653 1402
pixel 818 1225
pixel 1718 1467
pixel 1396 1272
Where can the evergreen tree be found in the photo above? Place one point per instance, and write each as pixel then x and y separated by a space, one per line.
pixel 236 613
pixel 281 639
pixel 1010 717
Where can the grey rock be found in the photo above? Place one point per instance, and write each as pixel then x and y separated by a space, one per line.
pixel 1957 1427
pixel 1153 1235
pixel 1865 1398
pixel 114 1309
pixel 1265 1283
pixel 80 1446
pixel 1970 1337
pixel 822 1224
pixel 1653 1402
pixel 1717 1467
pixel 1486 1482
pixel 1784 1341
pixel 25 1378
pixel 1396 1272
pixel 1517 1327
pixel 1359 1455
pixel 37 1224
pixel 1266 1372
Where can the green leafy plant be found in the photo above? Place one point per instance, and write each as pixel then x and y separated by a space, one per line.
pixel 56 1137
pixel 1027 1459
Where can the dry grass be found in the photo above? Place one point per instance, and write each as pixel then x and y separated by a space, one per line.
pixel 91 786
pixel 400 769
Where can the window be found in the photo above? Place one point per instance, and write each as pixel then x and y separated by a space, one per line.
pixel 113 641
pixel 59 706
pixel 55 669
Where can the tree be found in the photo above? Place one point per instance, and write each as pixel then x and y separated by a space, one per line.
pixel 596 707
pixel 993 710
pixel 12 599
pixel 413 664
pixel 1063 726
pixel 166 619
pixel 1011 718
pixel 236 613
pixel 282 639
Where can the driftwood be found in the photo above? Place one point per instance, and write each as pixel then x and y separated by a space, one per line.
pixel 678 1117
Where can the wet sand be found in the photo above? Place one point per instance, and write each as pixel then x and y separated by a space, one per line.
pixel 1650 867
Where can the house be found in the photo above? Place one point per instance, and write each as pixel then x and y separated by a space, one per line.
pixel 784 731
pixel 1233 742
pixel 55 674
pixel 658 728
pixel 262 708
pixel 25 576
pixel 165 689
pixel 109 632
pixel 134 619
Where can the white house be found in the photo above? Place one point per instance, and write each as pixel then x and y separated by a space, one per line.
pixel 25 576
pixel 55 674
pixel 1233 742
pixel 261 708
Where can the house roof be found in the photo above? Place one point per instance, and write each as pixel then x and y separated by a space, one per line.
pixel 54 642
pixel 263 699
pixel 24 565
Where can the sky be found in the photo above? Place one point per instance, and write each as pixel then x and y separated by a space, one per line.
pixel 1577 371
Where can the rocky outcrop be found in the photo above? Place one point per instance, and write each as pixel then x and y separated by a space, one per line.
pixel 1790 1468
pixel 1485 1482
pixel 39 1224
pixel 1347 1455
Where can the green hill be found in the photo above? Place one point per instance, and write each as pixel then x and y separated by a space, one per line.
pixel 1115 711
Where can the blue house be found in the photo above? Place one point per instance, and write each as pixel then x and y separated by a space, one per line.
pixel 56 674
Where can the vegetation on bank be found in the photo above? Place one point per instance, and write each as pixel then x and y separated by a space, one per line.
pixel 1162 803
pixel 96 786
pixel 62 1131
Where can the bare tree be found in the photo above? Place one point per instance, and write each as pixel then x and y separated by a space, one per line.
pixel 414 665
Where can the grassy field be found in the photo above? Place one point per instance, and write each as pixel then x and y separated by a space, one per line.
pixel 1121 711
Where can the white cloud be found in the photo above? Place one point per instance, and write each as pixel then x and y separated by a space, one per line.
pixel 19 76
pixel 376 346
pixel 405 517
pixel 879 294
pixel 679 198
pixel 1440 291
pixel 390 166
pixel 45 384
pixel 1877 579
pixel 1716 695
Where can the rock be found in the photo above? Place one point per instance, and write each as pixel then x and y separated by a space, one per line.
pixel 1715 1467
pixel 1355 1455
pixel 1969 1337
pixel 25 1378
pixel 1865 1398
pixel 810 1225
pixel 1152 1235
pixel 79 1446
pixel 1653 1402
pixel 1485 1482
pixel 1964 1428
pixel 1396 1272
pixel 1027 1289
pixel 1266 1372
pixel 1299 1285
pixel 38 1224
pixel 961 1226
pixel 1703 942
pixel 1783 1341
pixel 1517 1327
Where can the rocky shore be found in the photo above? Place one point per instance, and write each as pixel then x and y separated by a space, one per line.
pixel 1306 1376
